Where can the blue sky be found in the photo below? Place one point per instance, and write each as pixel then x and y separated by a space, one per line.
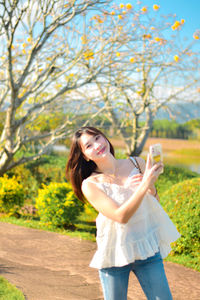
pixel 184 9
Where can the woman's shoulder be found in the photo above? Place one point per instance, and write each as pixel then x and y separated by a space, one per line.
pixel 93 178
pixel 139 162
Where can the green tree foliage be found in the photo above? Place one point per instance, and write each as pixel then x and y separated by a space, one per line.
pixel 170 129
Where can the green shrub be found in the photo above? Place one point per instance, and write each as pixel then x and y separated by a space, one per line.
pixel 173 175
pixel 182 204
pixel 27 180
pixel 11 195
pixel 57 205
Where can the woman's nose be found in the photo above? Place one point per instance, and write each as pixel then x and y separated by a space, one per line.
pixel 97 146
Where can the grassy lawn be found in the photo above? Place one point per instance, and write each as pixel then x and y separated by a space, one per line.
pixel 8 291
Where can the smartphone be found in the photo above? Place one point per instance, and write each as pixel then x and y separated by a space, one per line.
pixel 156 154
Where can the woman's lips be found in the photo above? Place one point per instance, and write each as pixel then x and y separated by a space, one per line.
pixel 101 151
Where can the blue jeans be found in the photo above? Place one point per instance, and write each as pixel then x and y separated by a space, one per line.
pixel 149 272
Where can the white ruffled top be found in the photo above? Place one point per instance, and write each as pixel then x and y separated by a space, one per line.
pixel 148 231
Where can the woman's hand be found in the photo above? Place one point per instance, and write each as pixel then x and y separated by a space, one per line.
pixel 151 173
pixel 135 180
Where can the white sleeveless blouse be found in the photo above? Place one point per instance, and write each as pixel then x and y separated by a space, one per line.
pixel 148 231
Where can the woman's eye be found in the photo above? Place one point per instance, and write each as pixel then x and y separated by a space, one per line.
pixel 97 137
pixel 88 146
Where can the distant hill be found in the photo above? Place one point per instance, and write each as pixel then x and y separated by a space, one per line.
pixel 181 112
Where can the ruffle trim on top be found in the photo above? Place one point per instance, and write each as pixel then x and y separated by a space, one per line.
pixel 121 255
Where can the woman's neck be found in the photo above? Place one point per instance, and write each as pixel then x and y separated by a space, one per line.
pixel 108 166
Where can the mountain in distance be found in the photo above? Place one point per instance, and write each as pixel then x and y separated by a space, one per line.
pixel 180 112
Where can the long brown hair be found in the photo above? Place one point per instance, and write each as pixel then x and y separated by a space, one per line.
pixel 78 168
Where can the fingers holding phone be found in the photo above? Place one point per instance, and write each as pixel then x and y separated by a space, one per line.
pixel 156 156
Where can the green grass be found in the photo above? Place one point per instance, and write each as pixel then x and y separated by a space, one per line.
pixel 187 152
pixel 185 260
pixel 9 291
pixel 85 227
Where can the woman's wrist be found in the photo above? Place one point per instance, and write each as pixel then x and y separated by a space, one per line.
pixel 153 191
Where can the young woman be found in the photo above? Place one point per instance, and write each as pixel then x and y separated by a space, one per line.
pixel 133 231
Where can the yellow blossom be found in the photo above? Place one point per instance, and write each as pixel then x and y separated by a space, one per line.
pixel 156 7
pixel 89 55
pixel 98 19
pixel 24 51
pixel 196 37
pixel 24 45
pixel 157 39
pixel 112 13
pixel 132 59
pixel 144 9
pixel 118 54
pixel 176 25
pixel 137 69
pixel 182 21
pixel 121 5
pixel 147 36
pixel 120 17
pixel 29 39
pixel 152 28
pixel 129 6
pixel 176 58
pixel 84 39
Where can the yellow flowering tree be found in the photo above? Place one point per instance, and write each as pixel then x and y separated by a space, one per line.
pixel 146 66
pixel 42 59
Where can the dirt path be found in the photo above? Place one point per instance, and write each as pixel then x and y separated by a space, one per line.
pixel 51 266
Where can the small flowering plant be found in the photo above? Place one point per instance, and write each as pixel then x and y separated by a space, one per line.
pixel 57 205
pixel 11 195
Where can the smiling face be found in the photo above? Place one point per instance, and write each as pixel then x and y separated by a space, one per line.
pixel 94 147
